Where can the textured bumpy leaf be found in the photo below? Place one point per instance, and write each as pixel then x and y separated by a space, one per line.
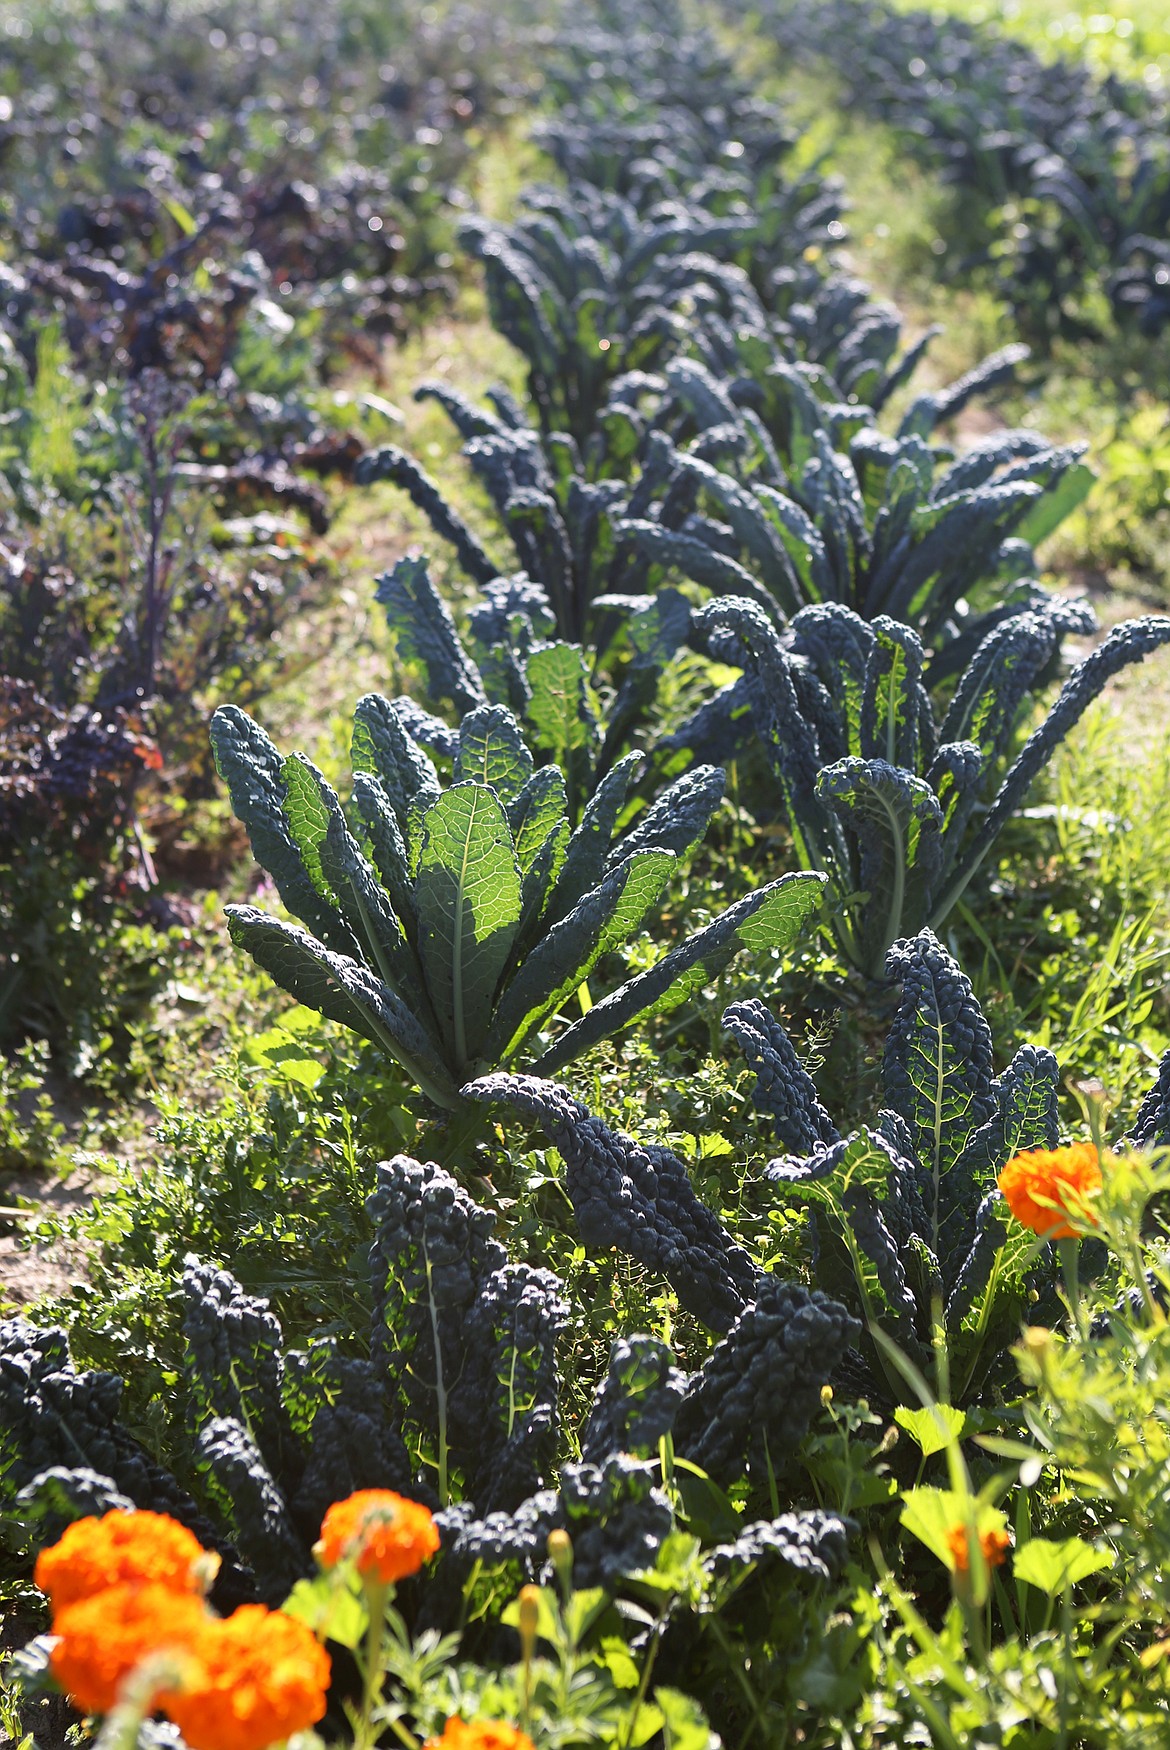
pixel 368 911
pixel 390 463
pixel 467 899
pixel 637 1198
pixel 539 809
pixel 382 747
pixel 894 702
pixel 386 845
pixel 1152 1125
pixel 589 845
pixel 307 815
pixel 769 918
pixel 342 989
pixel 605 919
pixel 636 1402
pixel 426 633
pixel 751 1405
pixel 1128 643
pixel 253 771
pixel 896 821
pixel 936 1069
pixel 678 819
pixel 784 1089
pixel 492 751
pixel 558 709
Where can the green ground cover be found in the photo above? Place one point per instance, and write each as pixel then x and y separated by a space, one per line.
pixel 601 1307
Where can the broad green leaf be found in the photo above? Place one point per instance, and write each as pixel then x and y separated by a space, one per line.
pixel 343 990
pixel 558 710
pixel 1058 502
pixel 1053 1566
pixel 467 899
pixel 538 809
pixel 564 957
pixel 932 1429
pixel 769 918
pixel 492 752
pixel 333 1611
pixel 683 1722
pixel 935 1515
pixel 589 846
pixel 252 769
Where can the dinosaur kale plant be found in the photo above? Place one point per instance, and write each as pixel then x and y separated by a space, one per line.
pixel 512 657
pixel 910 1230
pixel 449 924
pixel 909 1226
pixel 897 808
pixel 816 504
pixel 456 1403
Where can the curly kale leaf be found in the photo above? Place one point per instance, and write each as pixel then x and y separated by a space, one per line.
pixel 637 1198
pixel 235 1358
pixel 421 620
pixel 751 1404
pixel 53 1418
pixel 1152 1125
pixel 814 1544
pixel 250 1498
pixel 937 1074
pixel 784 1089
pixel 636 1403
pixel 466 1339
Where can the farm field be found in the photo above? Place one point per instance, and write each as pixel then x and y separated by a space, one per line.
pixel 584 875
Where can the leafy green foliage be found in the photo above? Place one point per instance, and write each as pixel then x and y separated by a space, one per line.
pixel 896 807
pixel 430 937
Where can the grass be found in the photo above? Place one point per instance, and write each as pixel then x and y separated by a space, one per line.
pixel 1129 37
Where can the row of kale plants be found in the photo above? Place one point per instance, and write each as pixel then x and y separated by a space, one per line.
pixel 1066 173
pixel 202 226
pixel 706 472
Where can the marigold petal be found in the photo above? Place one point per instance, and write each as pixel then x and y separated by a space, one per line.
pixel 387 1536
pixel 460 1734
pixel 101 1639
pixel 1046 1189
pixel 261 1677
pixel 120 1548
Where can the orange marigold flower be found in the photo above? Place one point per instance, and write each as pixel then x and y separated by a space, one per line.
pixel 388 1536
pixel 1051 1174
pixel 994 1544
pixel 100 1639
pixel 480 1735
pixel 259 1677
pixel 121 1547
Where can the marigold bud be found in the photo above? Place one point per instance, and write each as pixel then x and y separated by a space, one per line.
pixel 529 1616
pixel 560 1554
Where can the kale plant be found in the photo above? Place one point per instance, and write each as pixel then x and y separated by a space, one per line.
pixel 816 504
pixel 512 657
pixel 457 1403
pixel 898 809
pixel 449 924
pixel 909 1228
